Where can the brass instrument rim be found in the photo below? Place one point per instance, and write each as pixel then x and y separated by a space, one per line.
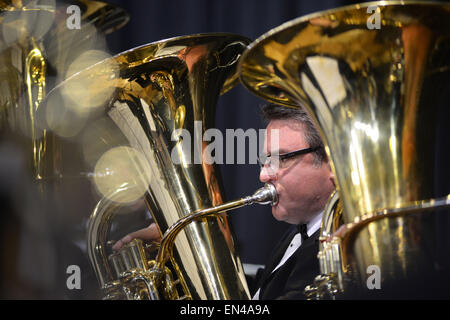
pixel 195 36
pixel 164 43
pixel 253 46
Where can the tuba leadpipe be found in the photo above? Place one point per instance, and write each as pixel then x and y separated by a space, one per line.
pixel 264 195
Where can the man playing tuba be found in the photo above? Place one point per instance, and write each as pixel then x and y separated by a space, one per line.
pixel 295 162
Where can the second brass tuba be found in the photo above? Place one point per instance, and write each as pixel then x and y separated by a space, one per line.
pixel 372 76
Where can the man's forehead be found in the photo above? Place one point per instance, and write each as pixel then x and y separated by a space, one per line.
pixel 290 124
pixel 285 128
pixel 284 135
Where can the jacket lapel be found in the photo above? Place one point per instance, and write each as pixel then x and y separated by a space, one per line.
pixel 276 255
pixel 304 254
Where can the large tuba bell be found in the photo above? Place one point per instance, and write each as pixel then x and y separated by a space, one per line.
pixel 154 103
pixel 373 77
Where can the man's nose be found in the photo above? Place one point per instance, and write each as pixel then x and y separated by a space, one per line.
pixel 266 174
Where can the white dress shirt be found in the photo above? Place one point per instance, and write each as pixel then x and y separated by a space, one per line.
pixel 311 228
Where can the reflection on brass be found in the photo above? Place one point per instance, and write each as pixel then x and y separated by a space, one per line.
pixel 410 229
pixel 34 39
pixel 373 93
pixel 35 69
pixel 150 94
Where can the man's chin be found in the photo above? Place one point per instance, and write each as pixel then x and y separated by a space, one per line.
pixel 278 213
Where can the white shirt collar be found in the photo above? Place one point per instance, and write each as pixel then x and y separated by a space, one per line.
pixel 312 227
pixel 314 224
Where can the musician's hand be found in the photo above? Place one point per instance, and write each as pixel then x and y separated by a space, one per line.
pixel 151 233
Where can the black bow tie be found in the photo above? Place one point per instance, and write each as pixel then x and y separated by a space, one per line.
pixel 303 229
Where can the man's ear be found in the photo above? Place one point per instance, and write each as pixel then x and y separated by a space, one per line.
pixel 331 176
pixel 332 179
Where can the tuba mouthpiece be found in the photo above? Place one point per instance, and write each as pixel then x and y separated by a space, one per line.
pixel 265 195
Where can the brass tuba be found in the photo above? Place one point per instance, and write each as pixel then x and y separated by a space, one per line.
pixel 157 100
pixel 372 76
pixel 133 273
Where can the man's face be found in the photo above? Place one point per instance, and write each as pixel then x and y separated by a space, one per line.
pixel 302 185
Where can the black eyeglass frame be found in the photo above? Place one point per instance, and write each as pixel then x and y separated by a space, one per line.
pixel 288 155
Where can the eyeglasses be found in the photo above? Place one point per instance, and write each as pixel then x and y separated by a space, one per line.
pixel 275 162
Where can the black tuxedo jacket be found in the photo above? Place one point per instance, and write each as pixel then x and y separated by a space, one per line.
pixel 289 280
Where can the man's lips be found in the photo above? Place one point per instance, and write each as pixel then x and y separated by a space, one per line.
pixel 278 196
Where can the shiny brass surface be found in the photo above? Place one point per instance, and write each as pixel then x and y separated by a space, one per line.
pixel 131 267
pixel 330 282
pixel 373 91
pixel 145 97
pixel 407 233
pixel 332 217
pixel 35 70
pixel 36 49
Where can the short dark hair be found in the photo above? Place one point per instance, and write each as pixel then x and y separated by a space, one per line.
pixel 312 136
